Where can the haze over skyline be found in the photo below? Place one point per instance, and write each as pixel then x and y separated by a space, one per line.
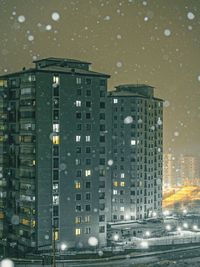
pixel 156 42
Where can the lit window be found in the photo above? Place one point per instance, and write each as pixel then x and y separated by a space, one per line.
pixel 56 235
pixel 56 200
pixel 56 140
pixel 122 184
pixel 77 219
pixel 133 142
pixel 115 183
pixel 56 79
pixel 114 192
pixel 121 208
pixel 78 80
pixel 77 185
pixel 78 138
pixel 115 100
pixel 87 138
pixel 78 103
pixel 87 173
pixel 77 231
pixel 56 128
pixel 87 219
pixel 33 162
pixel 122 175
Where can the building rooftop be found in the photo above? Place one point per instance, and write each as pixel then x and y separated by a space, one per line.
pixel 69 60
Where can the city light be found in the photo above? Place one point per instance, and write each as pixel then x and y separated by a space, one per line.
pixel 63 246
pixel 147 233
pixel 144 244
pixel 154 214
pixel 195 227
pixel 179 229
pixel 185 225
pixel 168 227
pixel 116 237
pixel 166 212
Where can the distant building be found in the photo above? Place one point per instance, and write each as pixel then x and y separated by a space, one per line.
pixel 136 152
pixel 189 169
pixel 53 155
pixel 169 171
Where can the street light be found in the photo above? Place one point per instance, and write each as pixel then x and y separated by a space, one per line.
pixel 168 227
pixel 185 225
pixel 147 233
pixel 63 246
pixel 116 237
pixel 195 227
pixel 144 244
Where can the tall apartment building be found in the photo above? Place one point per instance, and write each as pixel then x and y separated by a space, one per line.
pixel 53 155
pixel 136 152
pixel 189 169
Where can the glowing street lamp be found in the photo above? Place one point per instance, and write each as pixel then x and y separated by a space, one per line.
pixel 116 237
pixel 185 225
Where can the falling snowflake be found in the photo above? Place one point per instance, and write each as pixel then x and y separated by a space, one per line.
pixel 146 18
pixel 48 27
pixel 119 36
pixel 176 133
pixel 119 64
pixel 6 263
pixel 190 15
pixel 128 120
pixel 107 18
pixel 110 162
pixel 21 18
pixel 167 32
pixel 30 38
pixel 198 78
pixel 55 16
pixel 93 241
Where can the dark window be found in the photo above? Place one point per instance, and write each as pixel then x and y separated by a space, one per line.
pixel 88 115
pixel 55 211
pixel 102 161
pixel 102 195
pixel 78 196
pixel 102 127
pixel 78 150
pixel 88 81
pixel 88 104
pixel 55 163
pixel 102 150
pixel 88 127
pixel 88 149
pixel 55 114
pixel 102 104
pixel 88 184
pixel 102 206
pixel 78 91
pixel 78 115
pixel 78 173
pixel 102 218
pixel 102 116
pixel 87 196
pixel 102 184
pixel 102 82
pixel 102 229
pixel 78 207
pixel 88 161
pixel 56 91
pixel 78 127
pixel 55 175
pixel 87 207
pixel 88 92
pixel 102 138
pixel 102 93
pixel 55 150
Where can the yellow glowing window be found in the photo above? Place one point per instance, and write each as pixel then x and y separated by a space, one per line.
pixel 115 183
pixel 34 162
pixel 77 231
pixel 122 183
pixel 1 138
pixel 3 83
pixel 25 222
pixel 56 139
pixel 33 223
pixel 77 185
pixel 56 235
pixel 1 215
pixel 77 219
